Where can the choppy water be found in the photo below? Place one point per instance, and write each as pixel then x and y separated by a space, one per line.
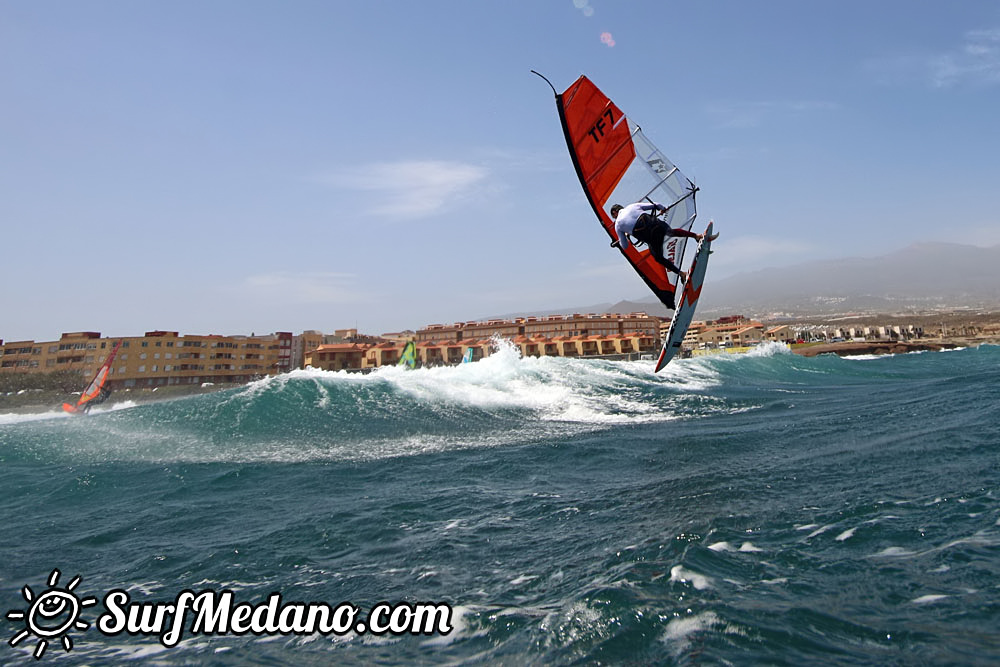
pixel 762 508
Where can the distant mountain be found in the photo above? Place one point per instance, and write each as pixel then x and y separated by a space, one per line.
pixel 918 277
pixel 922 275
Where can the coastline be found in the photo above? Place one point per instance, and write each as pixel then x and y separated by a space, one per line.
pixel 854 348
pixel 41 401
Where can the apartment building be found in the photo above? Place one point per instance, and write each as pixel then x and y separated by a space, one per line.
pixel 155 359
pixel 735 331
pixel 551 326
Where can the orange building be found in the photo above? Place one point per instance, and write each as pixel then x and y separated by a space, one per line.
pixel 551 326
pixel 338 357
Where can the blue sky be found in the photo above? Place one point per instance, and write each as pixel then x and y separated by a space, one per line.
pixel 245 166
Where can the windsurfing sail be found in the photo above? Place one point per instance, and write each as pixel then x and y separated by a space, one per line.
pixel 408 357
pixel 468 356
pixel 98 390
pixel 617 164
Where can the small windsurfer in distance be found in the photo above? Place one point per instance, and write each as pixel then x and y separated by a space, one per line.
pixel 100 398
pixel 639 220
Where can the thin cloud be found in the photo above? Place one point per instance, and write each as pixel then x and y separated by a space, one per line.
pixel 409 189
pixel 976 61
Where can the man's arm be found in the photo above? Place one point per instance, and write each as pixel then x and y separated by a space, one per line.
pixel 623 241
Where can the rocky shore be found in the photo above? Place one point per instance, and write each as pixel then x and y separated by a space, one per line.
pixel 852 348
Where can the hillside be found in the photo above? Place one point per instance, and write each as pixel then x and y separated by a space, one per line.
pixel 919 278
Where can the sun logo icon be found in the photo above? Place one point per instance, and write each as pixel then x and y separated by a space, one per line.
pixel 51 615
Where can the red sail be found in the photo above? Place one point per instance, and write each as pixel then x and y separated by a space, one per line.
pixel 599 137
pixel 93 390
pixel 614 159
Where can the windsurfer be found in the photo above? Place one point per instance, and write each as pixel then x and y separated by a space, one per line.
pixel 97 400
pixel 640 221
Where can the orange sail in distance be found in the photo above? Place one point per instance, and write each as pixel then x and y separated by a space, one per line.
pixel 98 389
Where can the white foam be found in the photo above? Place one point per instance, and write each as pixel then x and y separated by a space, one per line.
pixel 893 552
pixel 769 349
pixel 20 418
pixel 846 535
pixel 679 629
pixel 681 574
pixel 746 547
pixel 819 531
pixel 557 389
pixel 16 418
pixel 927 599
pixel 459 629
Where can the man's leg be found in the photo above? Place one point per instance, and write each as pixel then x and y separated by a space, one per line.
pixel 689 234
pixel 682 232
pixel 656 237
pixel 652 232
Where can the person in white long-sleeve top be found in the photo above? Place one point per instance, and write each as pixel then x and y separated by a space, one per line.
pixel 640 221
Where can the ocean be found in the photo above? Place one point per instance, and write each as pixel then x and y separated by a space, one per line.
pixel 761 508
